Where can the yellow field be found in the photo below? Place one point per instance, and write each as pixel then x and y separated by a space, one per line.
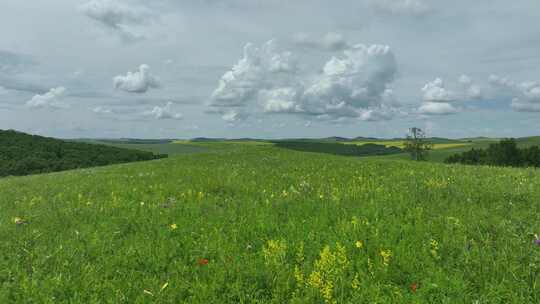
pixel 401 144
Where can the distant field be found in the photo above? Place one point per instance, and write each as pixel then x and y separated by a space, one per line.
pixel 161 148
pixel 261 224
pixel 401 144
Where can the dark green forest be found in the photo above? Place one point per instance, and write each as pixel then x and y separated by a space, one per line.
pixel 338 148
pixel 504 153
pixel 24 154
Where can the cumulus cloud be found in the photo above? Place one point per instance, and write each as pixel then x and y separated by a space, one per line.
pixel 330 41
pixel 51 99
pixel 435 91
pixel 259 69
pixel 164 112
pixel 358 84
pixel 400 7
pixel 471 89
pixel 136 82
pixel 525 95
pixel 355 85
pixel 117 16
pixel 438 99
pixel 437 108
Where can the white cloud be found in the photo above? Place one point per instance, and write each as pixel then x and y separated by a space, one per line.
pixel 355 85
pixel 50 99
pixel 280 100
pixel 330 41
pixel 233 116
pixel 401 7
pixel 525 95
pixel 137 82
pixel 259 69
pixel 117 16
pixel 164 112
pixel 437 99
pixel 102 110
pixel 435 91
pixel 437 108
pixel 471 90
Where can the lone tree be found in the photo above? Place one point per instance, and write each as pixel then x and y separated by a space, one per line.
pixel 417 144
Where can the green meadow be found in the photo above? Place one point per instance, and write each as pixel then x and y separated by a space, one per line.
pixel 254 223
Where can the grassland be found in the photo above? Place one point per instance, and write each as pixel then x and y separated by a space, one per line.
pixel 258 224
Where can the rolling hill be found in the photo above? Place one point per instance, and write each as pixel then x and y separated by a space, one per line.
pixel 23 154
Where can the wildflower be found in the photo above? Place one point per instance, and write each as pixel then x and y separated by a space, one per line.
pixel 19 221
pixel 298 275
pixel 148 292
pixel 355 284
pixel 537 242
pixel 434 249
pixel 274 252
pixel 386 255
pixel 359 244
pixel 173 227
pixel 203 262
pixel 414 287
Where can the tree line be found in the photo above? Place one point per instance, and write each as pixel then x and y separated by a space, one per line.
pixel 24 154
pixel 504 153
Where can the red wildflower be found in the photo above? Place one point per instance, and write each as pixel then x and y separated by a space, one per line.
pixel 203 262
pixel 414 286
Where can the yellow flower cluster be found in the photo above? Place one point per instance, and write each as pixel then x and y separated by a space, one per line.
pixel 386 256
pixel 434 249
pixel 274 252
pixel 328 268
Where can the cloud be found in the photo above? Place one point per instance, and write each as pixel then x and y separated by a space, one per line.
pixel 355 85
pixel 3 91
pixel 50 99
pixel 13 62
pixel 102 110
pixel 137 82
pixel 438 99
pixel 472 90
pixel 437 108
pixel 330 41
pixel 164 112
pixel 435 91
pixel 259 69
pixel 525 95
pixel 280 100
pixel 400 7
pixel 117 17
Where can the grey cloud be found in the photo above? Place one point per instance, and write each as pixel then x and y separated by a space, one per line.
pixel 525 95
pixel 330 41
pixel 118 16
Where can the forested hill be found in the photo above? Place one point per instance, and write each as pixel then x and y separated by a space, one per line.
pixel 24 154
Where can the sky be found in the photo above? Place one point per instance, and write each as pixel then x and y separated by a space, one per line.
pixel 270 68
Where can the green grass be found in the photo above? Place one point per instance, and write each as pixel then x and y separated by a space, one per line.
pixel 276 226
pixel 160 148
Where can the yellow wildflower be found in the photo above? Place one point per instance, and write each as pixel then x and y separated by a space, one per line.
pixel 359 244
pixel 386 255
pixel 173 227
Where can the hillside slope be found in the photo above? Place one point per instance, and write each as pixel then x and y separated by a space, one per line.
pixel 24 154
pixel 269 225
